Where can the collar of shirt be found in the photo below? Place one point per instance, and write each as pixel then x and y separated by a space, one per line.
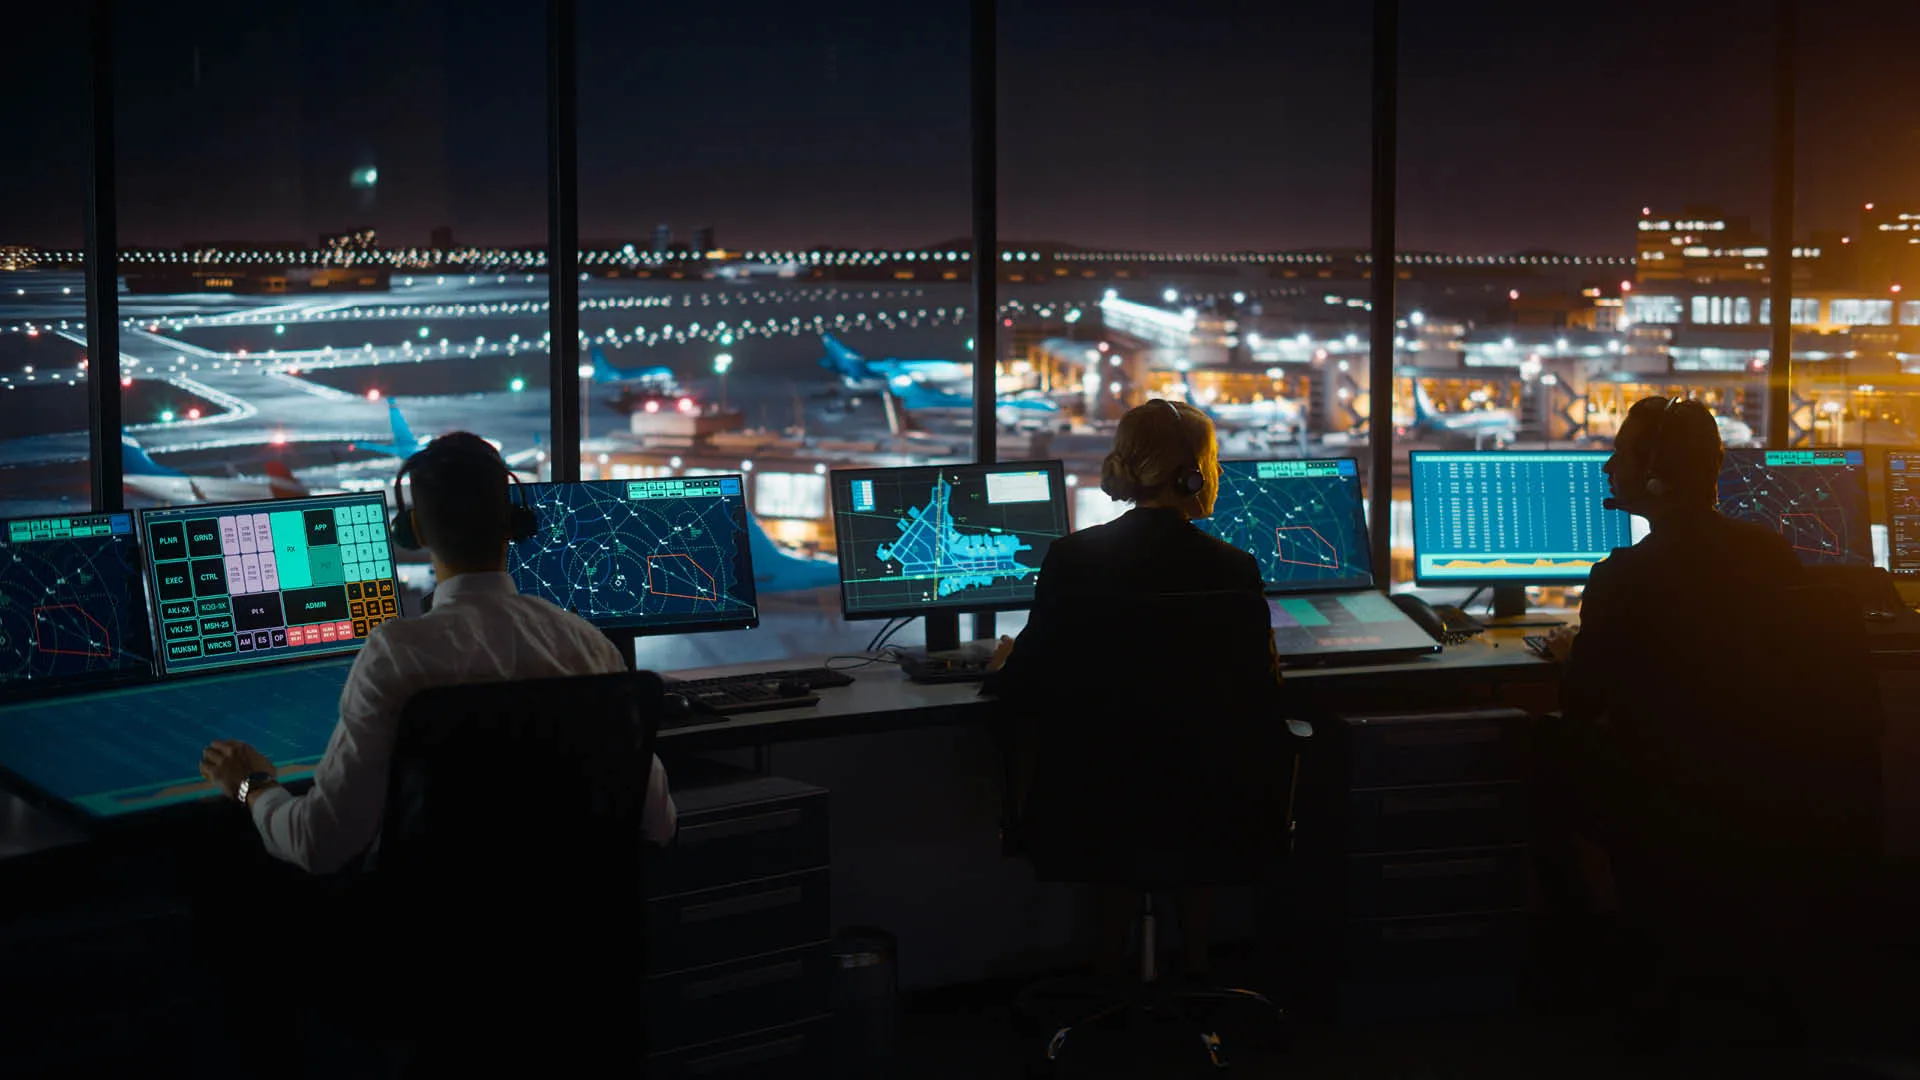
pixel 473 584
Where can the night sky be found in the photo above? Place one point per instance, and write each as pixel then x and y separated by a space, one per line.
pixel 1203 124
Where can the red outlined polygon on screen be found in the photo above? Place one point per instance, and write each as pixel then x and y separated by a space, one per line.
pixel 1833 549
pixel 655 590
pixel 41 647
pixel 1280 547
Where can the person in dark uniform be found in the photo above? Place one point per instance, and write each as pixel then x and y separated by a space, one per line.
pixel 1094 658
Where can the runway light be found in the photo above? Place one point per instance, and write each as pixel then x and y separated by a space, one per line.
pixel 686 406
pixel 374 394
pixel 279 438
pixel 166 416
pixel 518 384
pixel 126 380
pixel 423 331
pixel 673 463
pixel 193 414
pixel 280 329
pixel 652 407
pixel 819 469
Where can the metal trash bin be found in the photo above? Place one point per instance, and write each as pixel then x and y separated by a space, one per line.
pixel 865 999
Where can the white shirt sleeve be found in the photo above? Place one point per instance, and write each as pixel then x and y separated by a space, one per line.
pixel 659 817
pixel 340 817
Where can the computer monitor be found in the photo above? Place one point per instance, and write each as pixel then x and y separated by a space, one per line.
pixel 1511 518
pixel 1302 520
pixel 72 611
pixel 1817 499
pixel 242 584
pixel 650 556
pixel 935 540
pixel 1903 515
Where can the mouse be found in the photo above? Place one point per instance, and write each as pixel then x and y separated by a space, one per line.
pixel 677 704
pixel 1422 615
pixel 792 688
pixel 1880 616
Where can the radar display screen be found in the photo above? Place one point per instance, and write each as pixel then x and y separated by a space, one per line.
pixel 654 556
pixel 960 537
pixel 1816 499
pixel 240 584
pixel 1303 521
pixel 1514 517
pixel 72 611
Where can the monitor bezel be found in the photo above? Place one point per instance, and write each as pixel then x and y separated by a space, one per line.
pixel 22 691
pixel 622 629
pixel 1360 513
pixel 1886 471
pixel 166 673
pixel 1424 580
pixel 1057 474
pixel 1866 489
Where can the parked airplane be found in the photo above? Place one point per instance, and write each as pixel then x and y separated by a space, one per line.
pixel 860 373
pixel 148 478
pixel 404 444
pixel 775 570
pixel 1500 425
pixel 1274 413
pixel 604 372
pixel 1733 431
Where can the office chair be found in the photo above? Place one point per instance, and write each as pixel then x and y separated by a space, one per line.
pixel 505 895
pixel 1159 760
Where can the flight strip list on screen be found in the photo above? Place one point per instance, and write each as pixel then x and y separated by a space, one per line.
pixel 1903 513
pixel 653 555
pixel 71 607
pixel 1512 516
pixel 1302 520
pixel 947 536
pixel 1816 499
pixel 249 583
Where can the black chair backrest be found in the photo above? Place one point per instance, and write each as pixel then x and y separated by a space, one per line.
pixel 520 799
pixel 1162 725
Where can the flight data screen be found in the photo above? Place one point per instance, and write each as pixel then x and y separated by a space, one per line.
pixel 1903 512
pixel 655 556
pixel 1520 517
pixel 1308 629
pixel 254 583
pixel 1301 519
pixel 71 607
pixel 945 536
pixel 1817 499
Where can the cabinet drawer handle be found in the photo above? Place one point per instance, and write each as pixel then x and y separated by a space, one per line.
pixel 1436 804
pixel 741 905
pixel 791 1046
pixel 745 980
pixel 739 826
pixel 1438 868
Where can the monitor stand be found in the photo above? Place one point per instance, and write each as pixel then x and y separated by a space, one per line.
pixel 1510 609
pixel 945 658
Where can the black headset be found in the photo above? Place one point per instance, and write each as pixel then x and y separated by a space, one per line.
pixel 522 523
pixel 1654 486
pixel 1189 479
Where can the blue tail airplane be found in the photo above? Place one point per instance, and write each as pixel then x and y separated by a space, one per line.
pixel 404 444
pixel 860 373
pixel 775 571
pixel 603 372
pixel 146 477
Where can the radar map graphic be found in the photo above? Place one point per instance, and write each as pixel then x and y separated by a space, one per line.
pixel 629 553
pixel 964 539
pixel 70 602
pixel 1300 519
pixel 1816 499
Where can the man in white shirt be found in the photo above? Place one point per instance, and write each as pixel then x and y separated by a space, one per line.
pixel 480 630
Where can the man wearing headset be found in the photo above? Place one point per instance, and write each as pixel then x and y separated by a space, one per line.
pixel 1665 468
pixel 480 630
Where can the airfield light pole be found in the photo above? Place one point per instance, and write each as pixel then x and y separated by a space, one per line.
pixel 721 364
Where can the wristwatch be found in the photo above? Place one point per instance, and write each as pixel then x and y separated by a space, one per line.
pixel 254 782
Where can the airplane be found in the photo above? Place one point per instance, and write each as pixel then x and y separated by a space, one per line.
pixel 604 372
pixel 148 478
pixel 1249 415
pixel 1023 409
pixel 404 444
pixel 1733 431
pixel 860 373
pixel 775 570
pixel 1500 425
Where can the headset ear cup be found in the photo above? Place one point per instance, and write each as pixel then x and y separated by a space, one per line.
pixel 1656 487
pixel 402 531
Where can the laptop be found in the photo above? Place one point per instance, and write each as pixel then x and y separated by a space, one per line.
pixel 73 614
pixel 1304 521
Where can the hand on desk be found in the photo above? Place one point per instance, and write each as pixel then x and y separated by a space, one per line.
pixel 1560 642
pixel 228 762
pixel 1001 651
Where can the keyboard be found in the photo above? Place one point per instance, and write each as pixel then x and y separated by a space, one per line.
pixel 754 691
